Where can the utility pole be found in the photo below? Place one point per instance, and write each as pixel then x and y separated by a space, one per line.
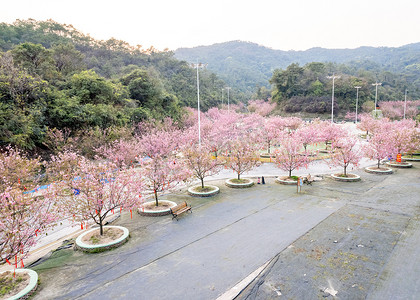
pixel 357 98
pixel 332 97
pixel 201 66
pixel 376 93
pixel 222 95
pixel 228 88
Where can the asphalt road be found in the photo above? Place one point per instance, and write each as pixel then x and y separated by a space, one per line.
pixel 349 239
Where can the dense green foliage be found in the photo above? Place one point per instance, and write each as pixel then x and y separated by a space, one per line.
pixel 53 76
pixel 247 66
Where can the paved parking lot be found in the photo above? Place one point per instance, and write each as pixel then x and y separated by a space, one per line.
pixel 349 239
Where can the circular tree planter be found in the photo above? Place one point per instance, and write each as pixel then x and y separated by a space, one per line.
pixel 380 171
pixel 267 155
pixel 243 183
pixel 30 288
pixel 149 209
pixel 286 180
pixel 350 177
pixel 81 243
pixel 411 158
pixel 209 190
pixel 401 165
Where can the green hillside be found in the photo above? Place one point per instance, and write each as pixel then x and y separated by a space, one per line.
pixel 246 65
pixel 54 76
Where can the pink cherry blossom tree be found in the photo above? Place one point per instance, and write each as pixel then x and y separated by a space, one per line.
pixel 367 123
pixel 379 146
pixel 24 213
pixel 90 190
pixel 289 156
pixel 261 107
pixel 199 161
pixel 308 134
pixel 243 155
pixel 404 136
pixel 272 131
pixel 330 132
pixel 164 167
pixel 345 152
pixel 121 152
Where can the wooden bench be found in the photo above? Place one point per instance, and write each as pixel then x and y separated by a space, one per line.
pixel 179 209
pixel 308 179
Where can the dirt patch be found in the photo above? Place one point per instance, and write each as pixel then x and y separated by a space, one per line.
pixel 163 205
pixel 11 285
pixel 378 169
pixel 239 181
pixel 110 235
pixel 206 189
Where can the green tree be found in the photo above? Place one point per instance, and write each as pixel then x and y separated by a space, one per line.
pixel 35 59
pixel 91 88
pixel 67 59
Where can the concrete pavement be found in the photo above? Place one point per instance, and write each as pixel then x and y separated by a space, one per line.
pixel 229 236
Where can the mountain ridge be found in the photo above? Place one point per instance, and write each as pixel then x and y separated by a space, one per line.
pixel 254 64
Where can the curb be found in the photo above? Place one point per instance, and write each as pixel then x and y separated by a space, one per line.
pixel 158 213
pixel 230 184
pixel 80 245
pixel 192 193
pixel 346 179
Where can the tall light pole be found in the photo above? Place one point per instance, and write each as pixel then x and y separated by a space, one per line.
pixel 201 66
pixel 222 95
pixel 357 98
pixel 228 88
pixel 405 102
pixel 376 93
pixel 332 97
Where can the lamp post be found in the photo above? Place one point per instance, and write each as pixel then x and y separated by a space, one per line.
pixel 228 88
pixel 357 98
pixel 376 93
pixel 405 102
pixel 201 66
pixel 222 95
pixel 332 97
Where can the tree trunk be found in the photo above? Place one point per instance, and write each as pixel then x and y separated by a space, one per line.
pixel 345 174
pixel 101 226
pixel 202 183
pixel 290 173
pixel 239 176
pixel 156 198
pixel 268 147
pixel 379 161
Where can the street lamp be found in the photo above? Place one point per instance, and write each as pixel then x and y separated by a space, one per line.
pixel 228 88
pixel 405 102
pixel 201 66
pixel 332 97
pixel 376 93
pixel 357 98
pixel 222 95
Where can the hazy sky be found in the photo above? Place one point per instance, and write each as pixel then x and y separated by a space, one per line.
pixel 279 24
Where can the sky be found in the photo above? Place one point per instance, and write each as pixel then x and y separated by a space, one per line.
pixel 277 24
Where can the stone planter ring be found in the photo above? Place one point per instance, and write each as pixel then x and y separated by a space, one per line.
pixel 247 184
pixel 214 190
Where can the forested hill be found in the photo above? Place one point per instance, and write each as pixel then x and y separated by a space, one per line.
pixel 246 64
pixel 54 76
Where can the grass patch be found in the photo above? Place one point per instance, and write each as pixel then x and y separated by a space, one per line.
pixel 94 240
pixel 12 285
